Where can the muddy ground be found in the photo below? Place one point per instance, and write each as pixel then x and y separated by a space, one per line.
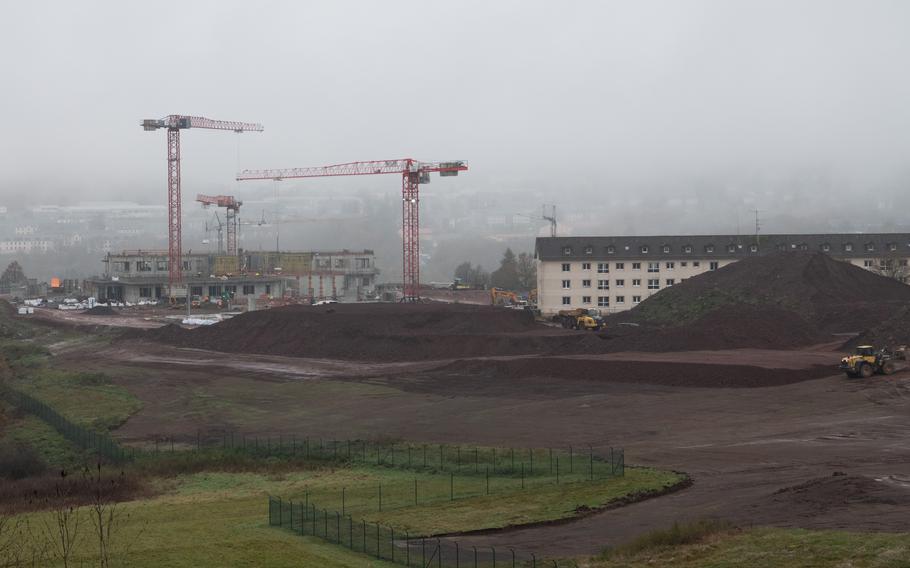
pixel 768 452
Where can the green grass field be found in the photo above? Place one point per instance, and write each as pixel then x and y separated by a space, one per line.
pixel 216 518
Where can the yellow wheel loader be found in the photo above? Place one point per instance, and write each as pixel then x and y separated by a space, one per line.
pixel 866 361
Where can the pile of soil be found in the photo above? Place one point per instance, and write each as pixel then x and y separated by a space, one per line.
pixel 779 301
pixel 731 327
pixel 839 492
pixel 782 300
pixel 506 371
pixel 892 331
pixel 100 311
pixel 378 332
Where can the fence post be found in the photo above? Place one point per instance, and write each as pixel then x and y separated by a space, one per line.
pixel 378 555
pixel 557 469
pixel 350 532
pixel 522 475
pixel 441 457
pixel 342 500
pixel 591 461
pixel 407 548
pixel 380 497
pixel 493 460
pixel 424 455
pixel 488 480
pixel 280 516
pixel 291 504
pixel 571 461
pixel 415 491
pixel 364 536
pixel 451 486
pixel 457 555
pixel 475 556
pixel 423 554
pixel 513 556
pixel 337 527
pixel 531 456
pixel 392 540
pixel 551 460
pixel 494 556
pixel 325 527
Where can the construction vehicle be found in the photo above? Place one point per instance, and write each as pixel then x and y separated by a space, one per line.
pixel 866 361
pixel 500 297
pixel 580 318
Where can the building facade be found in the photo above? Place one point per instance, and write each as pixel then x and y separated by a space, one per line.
pixel 617 273
pixel 132 276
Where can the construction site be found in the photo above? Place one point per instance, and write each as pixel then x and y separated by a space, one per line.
pixel 768 390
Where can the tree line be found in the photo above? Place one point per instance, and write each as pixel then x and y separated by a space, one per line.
pixel 515 272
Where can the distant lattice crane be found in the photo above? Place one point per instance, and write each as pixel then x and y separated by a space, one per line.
pixel 231 209
pixel 174 124
pixel 413 174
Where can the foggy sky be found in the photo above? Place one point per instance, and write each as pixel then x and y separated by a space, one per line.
pixel 573 97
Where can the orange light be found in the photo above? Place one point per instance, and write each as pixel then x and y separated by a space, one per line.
pixel 55 282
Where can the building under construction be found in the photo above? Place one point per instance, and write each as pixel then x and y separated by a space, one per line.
pixel 132 276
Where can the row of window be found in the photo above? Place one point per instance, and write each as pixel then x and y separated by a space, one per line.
pixel 732 247
pixel 653 283
pixel 604 267
pixel 884 263
pixel 602 301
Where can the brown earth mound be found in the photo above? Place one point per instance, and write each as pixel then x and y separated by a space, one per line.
pixel 642 372
pixel 889 332
pixel 735 326
pixel 829 295
pixel 780 301
pixel 101 311
pixel 380 332
pixel 837 493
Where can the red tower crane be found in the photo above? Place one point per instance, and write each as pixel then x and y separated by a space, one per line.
pixel 231 208
pixel 174 124
pixel 413 174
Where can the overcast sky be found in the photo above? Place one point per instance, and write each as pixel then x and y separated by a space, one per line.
pixel 602 95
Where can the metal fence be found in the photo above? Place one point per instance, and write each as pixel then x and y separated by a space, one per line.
pixel 385 543
pixel 98 443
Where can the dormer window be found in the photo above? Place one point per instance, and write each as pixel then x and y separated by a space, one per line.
pixel 687 249
pixel 892 247
pixel 566 250
pixel 826 247
pixel 611 249
pixel 589 250
pixel 666 249
pixel 782 247
pixel 753 248
pixel 848 247
pixel 870 247
pixel 644 249
pixel 803 246
pixel 731 248
pixel 709 249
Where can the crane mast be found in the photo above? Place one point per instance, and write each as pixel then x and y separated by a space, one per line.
pixel 413 174
pixel 174 124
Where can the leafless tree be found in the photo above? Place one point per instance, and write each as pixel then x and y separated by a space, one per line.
pixel 893 268
pixel 62 526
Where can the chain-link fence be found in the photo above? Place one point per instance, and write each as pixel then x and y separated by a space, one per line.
pixel 385 543
pixel 98 443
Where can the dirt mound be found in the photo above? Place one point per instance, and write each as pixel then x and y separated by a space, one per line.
pixel 837 493
pixel 891 331
pixel 101 311
pixel 381 332
pixel 605 371
pixel 732 327
pixel 830 295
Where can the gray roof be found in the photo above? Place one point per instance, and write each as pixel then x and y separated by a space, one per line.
pixel 850 245
pixel 190 280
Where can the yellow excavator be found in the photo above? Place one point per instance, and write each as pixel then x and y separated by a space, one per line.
pixel 500 297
